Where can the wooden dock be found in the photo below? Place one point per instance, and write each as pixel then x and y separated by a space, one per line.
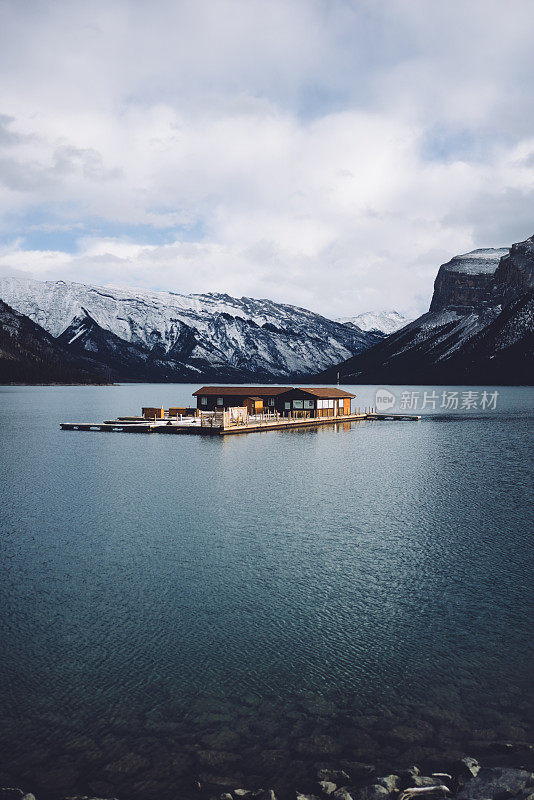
pixel 386 416
pixel 110 427
pixel 170 426
pixel 285 424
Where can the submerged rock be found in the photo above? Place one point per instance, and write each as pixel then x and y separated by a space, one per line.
pixel 337 776
pixel 216 758
pixel 128 764
pixel 358 769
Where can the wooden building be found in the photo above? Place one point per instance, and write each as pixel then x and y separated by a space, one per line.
pixel 153 413
pixel 286 400
pixel 254 405
pixel 315 402
pixel 220 398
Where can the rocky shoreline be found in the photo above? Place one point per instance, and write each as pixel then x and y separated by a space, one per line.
pixel 461 779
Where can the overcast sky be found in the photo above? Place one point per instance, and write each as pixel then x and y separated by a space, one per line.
pixel 325 153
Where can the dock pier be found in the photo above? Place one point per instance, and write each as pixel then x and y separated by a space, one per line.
pixel 228 410
pixel 225 426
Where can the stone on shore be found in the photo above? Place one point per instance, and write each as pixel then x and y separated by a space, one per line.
pixel 342 794
pixel 327 787
pixel 495 783
pixel 471 767
pixel 374 792
pixel 389 782
pixel 420 781
pixel 9 793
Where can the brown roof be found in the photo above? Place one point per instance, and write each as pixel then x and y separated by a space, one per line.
pixel 325 391
pixel 242 391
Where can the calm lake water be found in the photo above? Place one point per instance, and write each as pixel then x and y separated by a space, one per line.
pixel 246 607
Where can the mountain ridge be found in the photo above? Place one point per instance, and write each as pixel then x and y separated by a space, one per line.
pixel 478 328
pixel 29 354
pixel 182 337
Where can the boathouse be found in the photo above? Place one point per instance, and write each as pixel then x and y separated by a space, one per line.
pixel 220 398
pixel 286 400
pixel 316 401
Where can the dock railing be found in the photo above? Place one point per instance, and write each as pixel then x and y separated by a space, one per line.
pixel 239 417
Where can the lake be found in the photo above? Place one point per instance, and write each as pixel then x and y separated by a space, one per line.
pixel 250 606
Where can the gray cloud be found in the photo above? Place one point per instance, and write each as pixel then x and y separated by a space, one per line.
pixel 295 139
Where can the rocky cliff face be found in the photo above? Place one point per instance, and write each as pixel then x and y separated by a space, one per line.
pixel 479 328
pixel 515 272
pixel 467 281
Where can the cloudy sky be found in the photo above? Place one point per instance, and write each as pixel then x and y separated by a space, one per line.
pixel 326 153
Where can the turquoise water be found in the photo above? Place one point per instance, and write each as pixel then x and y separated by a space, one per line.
pixel 252 605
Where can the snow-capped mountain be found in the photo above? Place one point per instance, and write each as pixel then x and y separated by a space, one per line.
pixel 143 334
pixel 28 354
pixel 383 321
pixel 479 328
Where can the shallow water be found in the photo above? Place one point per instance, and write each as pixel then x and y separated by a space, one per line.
pixel 176 606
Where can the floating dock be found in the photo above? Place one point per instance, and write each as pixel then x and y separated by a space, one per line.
pixel 384 416
pixel 223 425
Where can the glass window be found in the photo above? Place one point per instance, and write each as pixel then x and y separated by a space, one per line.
pixel 270 401
pixel 297 403
pixel 287 405
pixel 330 404
pixel 308 404
pixel 220 401
pixel 203 401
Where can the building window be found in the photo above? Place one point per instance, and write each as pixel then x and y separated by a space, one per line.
pixel 270 401
pixel 203 401
pixel 287 406
pixel 220 401
pixel 308 404
pixel 297 403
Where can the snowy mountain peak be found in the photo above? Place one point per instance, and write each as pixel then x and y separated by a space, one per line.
pixel 212 333
pixel 384 321
pixel 485 260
